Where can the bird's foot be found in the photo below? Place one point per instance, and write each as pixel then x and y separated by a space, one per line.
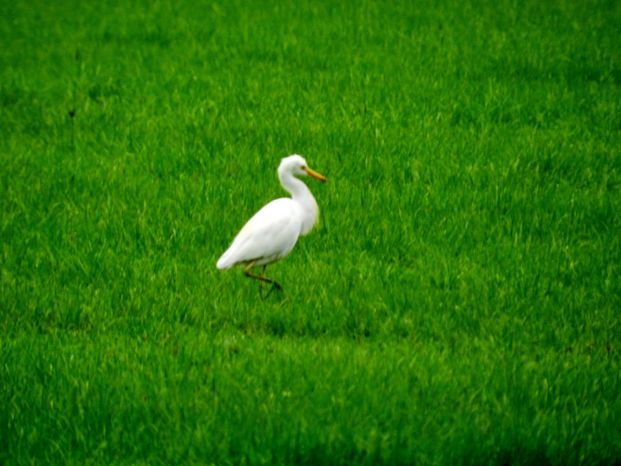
pixel 275 286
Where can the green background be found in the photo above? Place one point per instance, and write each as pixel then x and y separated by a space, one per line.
pixel 457 304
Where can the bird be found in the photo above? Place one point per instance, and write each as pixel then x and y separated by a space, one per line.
pixel 272 232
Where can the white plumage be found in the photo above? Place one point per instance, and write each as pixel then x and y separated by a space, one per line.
pixel 272 232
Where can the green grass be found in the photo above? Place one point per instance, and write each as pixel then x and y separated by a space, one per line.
pixel 458 303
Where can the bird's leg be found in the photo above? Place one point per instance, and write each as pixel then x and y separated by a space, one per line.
pixel 249 274
pixel 275 284
pixel 262 278
pixel 261 283
pixel 263 295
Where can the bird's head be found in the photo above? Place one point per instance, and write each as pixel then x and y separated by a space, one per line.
pixel 296 165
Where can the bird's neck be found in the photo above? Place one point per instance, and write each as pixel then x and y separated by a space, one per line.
pixel 302 195
pixel 298 190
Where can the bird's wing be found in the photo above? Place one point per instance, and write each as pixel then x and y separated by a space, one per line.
pixel 269 235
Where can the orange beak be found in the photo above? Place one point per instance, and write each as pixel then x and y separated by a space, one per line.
pixel 314 174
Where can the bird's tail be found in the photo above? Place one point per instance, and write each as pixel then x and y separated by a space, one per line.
pixel 225 261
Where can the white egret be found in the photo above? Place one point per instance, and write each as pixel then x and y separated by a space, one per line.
pixel 273 231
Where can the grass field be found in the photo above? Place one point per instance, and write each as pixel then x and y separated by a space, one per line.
pixel 459 302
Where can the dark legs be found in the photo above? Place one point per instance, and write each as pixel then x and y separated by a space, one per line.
pixel 262 278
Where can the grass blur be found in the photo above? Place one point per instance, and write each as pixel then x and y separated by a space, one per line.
pixel 458 303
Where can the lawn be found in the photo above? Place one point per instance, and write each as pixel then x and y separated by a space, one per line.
pixel 458 303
